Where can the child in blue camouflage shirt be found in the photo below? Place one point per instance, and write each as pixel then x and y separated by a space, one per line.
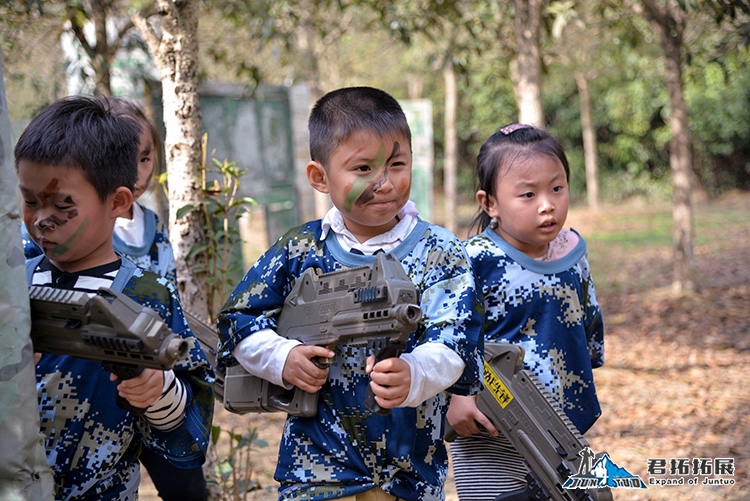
pixel 537 290
pixel 77 167
pixel 360 146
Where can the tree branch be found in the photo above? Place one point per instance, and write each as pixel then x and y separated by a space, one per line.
pixel 147 32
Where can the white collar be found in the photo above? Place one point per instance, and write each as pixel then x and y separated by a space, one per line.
pixel 334 221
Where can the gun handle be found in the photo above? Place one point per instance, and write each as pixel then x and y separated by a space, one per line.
pixel 125 372
pixel 383 348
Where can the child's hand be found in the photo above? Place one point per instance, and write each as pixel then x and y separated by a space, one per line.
pixel 466 418
pixel 300 371
pixel 142 390
pixel 391 381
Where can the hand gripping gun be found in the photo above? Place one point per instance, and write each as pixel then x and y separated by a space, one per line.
pixel 376 305
pixel 111 328
pixel 521 409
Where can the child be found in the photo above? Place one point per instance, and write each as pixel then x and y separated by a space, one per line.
pixel 139 234
pixel 72 194
pixel 360 147
pixel 141 237
pixel 537 291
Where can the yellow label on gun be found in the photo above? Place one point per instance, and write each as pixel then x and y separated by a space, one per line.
pixel 495 385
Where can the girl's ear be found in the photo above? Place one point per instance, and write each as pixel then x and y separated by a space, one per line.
pixel 487 203
pixel 122 200
pixel 482 199
pixel 317 176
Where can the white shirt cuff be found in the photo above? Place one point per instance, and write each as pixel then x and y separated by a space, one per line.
pixel 264 354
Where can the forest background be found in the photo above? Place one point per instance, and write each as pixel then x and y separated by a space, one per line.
pixel 466 57
pixel 650 96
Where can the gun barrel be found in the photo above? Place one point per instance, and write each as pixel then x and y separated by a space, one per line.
pixel 401 318
pixel 109 327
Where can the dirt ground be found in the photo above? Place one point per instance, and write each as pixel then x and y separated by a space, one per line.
pixel 675 384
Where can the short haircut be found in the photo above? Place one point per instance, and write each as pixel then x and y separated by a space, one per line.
pixel 83 132
pixel 342 112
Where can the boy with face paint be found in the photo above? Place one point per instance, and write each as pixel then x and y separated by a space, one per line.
pixel 360 146
pixel 77 168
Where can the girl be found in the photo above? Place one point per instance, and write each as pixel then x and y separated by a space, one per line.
pixel 141 237
pixel 537 292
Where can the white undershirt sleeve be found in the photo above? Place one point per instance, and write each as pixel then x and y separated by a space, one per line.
pixel 434 367
pixel 264 354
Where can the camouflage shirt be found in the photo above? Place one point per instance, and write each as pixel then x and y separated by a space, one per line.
pixel 345 449
pixel 550 309
pixel 92 444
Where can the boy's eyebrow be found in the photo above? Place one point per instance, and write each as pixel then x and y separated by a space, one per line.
pixel 396 151
pixel 47 192
pixel 357 158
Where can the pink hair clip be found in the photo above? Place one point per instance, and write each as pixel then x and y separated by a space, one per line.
pixel 514 127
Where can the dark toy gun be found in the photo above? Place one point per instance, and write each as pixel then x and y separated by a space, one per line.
pixel 376 305
pixel 208 338
pixel 522 410
pixel 109 327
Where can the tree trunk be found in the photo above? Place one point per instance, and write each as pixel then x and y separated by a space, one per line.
pixel 176 56
pixel 527 65
pixel 451 145
pixel 589 142
pixel 101 56
pixel 670 28
pixel 24 473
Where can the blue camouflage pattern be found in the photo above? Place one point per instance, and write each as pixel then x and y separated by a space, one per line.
pixel 550 309
pixel 91 443
pixel 345 449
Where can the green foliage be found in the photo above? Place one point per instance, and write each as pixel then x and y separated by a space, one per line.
pixel 718 93
pixel 232 467
pixel 220 211
pixel 359 42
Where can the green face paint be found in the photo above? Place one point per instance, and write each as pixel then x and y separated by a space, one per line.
pixel 358 187
pixel 64 247
pixel 363 186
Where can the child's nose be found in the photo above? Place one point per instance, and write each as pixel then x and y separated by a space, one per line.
pixel 546 205
pixel 45 220
pixel 383 182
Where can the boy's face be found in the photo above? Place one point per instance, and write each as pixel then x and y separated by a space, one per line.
pixel 65 217
pixel 369 181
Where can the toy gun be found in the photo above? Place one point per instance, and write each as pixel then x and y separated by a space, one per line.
pixel 376 305
pixel 522 410
pixel 208 338
pixel 109 327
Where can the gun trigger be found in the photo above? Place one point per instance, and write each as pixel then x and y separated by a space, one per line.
pixel 321 362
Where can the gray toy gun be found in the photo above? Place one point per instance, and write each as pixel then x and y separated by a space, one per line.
pixel 109 327
pixel 208 338
pixel 522 410
pixel 376 305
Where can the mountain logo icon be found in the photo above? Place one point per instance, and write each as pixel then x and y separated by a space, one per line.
pixel 598 471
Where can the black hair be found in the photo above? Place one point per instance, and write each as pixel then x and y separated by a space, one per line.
pixel 128 108
pixel 342 112
pixel 502 149
pixel 84 132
